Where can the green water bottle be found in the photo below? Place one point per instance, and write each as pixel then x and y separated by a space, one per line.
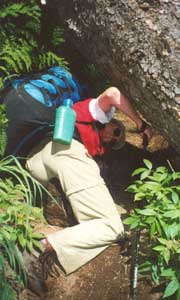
pixel 64 123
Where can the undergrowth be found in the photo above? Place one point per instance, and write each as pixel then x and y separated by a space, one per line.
pixel 159 218
pixel 18 216
pixel 20 47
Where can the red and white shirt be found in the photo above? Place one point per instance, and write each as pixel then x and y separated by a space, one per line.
pixel 89 111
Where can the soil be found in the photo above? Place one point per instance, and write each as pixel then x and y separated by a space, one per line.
pixel 109 276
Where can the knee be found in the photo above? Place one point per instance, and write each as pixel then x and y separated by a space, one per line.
pixel 116 227
pixel 37 171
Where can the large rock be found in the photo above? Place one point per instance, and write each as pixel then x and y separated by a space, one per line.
pixel 137 44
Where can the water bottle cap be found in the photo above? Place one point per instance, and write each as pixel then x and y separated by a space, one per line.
pixel 68 102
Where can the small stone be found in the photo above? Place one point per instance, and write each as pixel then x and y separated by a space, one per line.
pixel 177 91
pixel 166 75
pixel 163 105
pixel 177 99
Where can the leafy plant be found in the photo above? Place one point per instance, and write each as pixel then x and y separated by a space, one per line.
pixel 17 219
pixel 159 189
pixel 20 35
pixel 3 126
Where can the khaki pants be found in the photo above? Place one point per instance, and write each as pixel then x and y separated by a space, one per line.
pixel 99 221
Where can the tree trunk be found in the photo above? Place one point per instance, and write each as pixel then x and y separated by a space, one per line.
pixel 137 44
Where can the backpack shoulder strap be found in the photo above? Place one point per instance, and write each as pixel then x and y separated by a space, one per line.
pixel 63 74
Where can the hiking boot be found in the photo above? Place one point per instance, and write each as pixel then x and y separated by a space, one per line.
pixel 125 244
pixel 35 281
pixel 37 267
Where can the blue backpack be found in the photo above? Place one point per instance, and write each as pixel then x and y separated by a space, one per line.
pixel 51 88
pixel 31 102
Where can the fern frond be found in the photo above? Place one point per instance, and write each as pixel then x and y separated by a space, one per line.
pixel 3 126
pixel 49 58
pixel 4 70
pixel 25 51
pixel 3 140
pixel 17 9
pixel 32 27
pixel 16 57
pixel 57 36
pixel 1 83
pixel 7 60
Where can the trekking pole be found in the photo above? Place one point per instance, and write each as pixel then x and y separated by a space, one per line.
pixel 135 267
pixel 137 244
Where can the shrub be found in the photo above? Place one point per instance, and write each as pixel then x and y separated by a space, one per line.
pixel 17 218
pixel 159 189
pixel 20 49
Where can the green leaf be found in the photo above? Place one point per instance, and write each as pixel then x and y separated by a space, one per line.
pixel 155 274
pixel 36 235
pixel 152 184
pixel 22 240
pixel 152 229
pixel 166 255
pixel 164 227
pixel 138 171
pixel 175 197
pixel 158 227
pixel 130 220
pixel 145 267
pixel 161 170
pixel 159 248
pixel 145 174
pixel 139 196
pixel 173 214
pixel 134 225
pixel 147 163
pixel 172 287
pixel 175 175
pixel 168 273
pixel 147 212
pixel 178 293
pixel 163 241
pixel 132 188
pixel 178 250
pixel 38 245
pixel 160 177
pixel 29 245
pixel 173 230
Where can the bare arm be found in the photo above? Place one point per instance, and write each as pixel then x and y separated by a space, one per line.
pixel 113 97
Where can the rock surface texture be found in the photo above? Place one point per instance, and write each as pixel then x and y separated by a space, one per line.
pixel 137 44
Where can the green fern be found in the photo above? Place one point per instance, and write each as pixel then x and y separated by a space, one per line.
pixel 16 56
pixel 57 36
pixel 3 126
pixel 6 290
pixel 19 47
pixel 17 9
pixel 49 58
pixel 16 218
pixel 3 140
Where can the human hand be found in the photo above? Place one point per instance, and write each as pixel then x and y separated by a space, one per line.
pixel 145 131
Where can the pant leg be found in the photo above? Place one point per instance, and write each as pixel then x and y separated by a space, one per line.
pixel 99 227
pixel 99 222
pixel 35 164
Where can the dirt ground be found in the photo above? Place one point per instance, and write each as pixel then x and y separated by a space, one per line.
pixel 109 276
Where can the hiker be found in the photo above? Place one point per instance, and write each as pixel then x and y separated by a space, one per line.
pixel 98 221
